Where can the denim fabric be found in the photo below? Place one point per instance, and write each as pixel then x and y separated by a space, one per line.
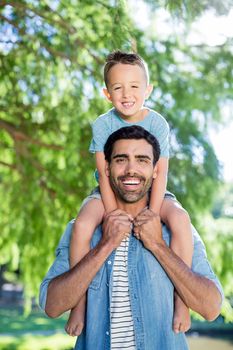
pixel 151 295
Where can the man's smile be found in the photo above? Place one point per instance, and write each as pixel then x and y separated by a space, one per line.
pixel 131 183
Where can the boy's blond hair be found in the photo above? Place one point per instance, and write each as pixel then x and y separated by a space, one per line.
pixel 125 58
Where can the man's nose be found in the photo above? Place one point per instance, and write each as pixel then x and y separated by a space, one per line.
pixel 130 168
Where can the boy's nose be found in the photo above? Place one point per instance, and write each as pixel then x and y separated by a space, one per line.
pixel 126 92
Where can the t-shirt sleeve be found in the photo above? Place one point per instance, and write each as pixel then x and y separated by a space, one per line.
pixel 100 134
pixel 160 129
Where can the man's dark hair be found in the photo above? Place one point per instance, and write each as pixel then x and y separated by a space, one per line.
pixel 133 132
pixel 125 58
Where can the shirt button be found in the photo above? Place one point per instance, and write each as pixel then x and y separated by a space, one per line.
pixel 109 262
pixel 107 333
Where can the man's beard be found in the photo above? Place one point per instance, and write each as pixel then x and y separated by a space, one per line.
pixel 128 196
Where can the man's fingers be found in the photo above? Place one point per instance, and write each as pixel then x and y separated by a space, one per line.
pixel 140 222
pixel 116 212
pixel 145 214
pixel 119 213
pixel 137 232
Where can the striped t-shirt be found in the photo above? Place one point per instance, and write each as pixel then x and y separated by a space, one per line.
pixel 122 331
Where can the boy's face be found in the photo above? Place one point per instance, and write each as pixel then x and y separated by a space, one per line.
pixel 127 90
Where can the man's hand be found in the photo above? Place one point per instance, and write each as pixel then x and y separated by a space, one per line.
pixel 148 228
pixel 116 226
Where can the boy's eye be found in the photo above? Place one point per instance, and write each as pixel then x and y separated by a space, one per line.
pixel 135 86
pixel 117 88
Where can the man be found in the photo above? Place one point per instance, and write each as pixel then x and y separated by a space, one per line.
pixel 130 278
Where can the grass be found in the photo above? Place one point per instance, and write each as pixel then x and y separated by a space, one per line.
pixel 35 331
pixel 30 341
pixel 39 332
pixel 14 322
pixel 204 343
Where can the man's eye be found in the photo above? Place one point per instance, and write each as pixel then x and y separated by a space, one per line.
pixel 142 160
pixel 120 160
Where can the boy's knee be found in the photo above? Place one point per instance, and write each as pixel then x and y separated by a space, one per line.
pixel 174 213
pixel 80 226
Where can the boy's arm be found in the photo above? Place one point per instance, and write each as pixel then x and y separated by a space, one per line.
pixel 107 194
pixel 159 185
pixel 89 217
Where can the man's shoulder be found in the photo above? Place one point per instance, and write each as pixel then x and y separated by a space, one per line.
pixel 167 235
pixel 65 238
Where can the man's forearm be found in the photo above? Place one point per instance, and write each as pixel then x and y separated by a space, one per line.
pixel 198 293
pixel 66 290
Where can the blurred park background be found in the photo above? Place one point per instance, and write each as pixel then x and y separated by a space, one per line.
pixel 51 58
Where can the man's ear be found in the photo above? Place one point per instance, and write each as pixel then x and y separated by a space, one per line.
pixel 155 171
pixel 149 90
pixel 107 94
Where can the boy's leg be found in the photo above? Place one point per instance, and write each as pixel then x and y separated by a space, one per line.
pixel 75 323
pixel 89 217
pixel 178 221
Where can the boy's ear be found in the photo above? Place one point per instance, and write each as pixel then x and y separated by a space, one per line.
pixel 107 168
pixel 149 90
pixel 107 94
pixel 155 171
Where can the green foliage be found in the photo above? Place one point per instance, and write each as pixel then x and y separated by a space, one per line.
pixel 223 202
pixel 189 9
pixel 37 342
pixel 51 58
pixel 218 237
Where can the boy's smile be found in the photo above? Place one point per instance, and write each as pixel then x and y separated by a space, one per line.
pixel 127 90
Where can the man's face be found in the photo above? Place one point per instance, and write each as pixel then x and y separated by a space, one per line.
pixel 131 169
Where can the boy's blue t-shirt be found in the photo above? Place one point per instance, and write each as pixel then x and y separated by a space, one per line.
pixel 109 122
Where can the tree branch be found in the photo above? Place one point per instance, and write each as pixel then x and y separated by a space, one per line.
pixel 11 166
pixel 62 22
pixel 19 135
pixel 71 30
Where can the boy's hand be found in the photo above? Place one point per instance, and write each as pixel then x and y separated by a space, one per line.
pixel 116 226
pixel 148 228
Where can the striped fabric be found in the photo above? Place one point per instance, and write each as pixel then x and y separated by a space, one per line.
pixel 122 331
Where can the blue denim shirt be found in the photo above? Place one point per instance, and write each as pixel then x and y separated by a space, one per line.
pixel 151 295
